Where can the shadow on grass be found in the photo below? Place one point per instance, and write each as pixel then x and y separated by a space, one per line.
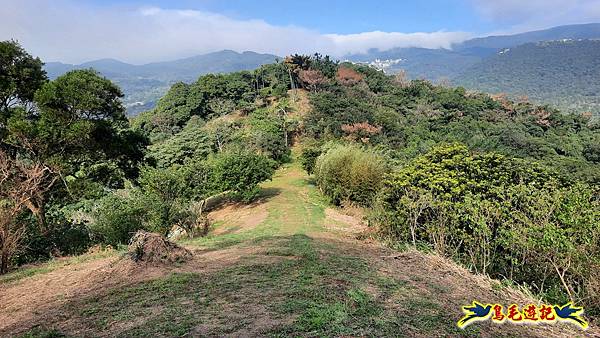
pixel 305 288
pixel 265 195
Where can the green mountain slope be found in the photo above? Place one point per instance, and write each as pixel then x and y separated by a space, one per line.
pixel 421 63
pixel 433 64
pixel 582 31
pixel 143 85
pixel 564 73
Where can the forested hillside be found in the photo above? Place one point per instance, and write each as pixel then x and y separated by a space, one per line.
pixel 433 64
pixel 498 42
pixel 562 73
pixel 143 85
pixel 507 189
pixel 556 66
pixel 485 180
pixel 470 63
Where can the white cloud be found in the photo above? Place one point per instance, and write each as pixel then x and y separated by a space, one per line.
pixel 356 43
pixel 523 15
pixel 70 31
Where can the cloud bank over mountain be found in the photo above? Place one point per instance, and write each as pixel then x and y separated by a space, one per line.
pixel 72 32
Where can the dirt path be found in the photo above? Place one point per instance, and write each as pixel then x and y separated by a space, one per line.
pixel 287 265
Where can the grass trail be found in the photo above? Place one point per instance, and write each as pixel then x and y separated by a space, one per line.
pixel 294 207
pixel 287 276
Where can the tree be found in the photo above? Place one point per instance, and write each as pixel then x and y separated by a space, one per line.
pixel 193 142
pixel 294 64
pixel 324 64
pixel 80 125
pixel 77 135
pixel 312 79
pixel 61 142
pixel 164 192
pixel 21 75
pixel 297 62
pixel 360 131
pixel 22 185
pixel 240 172
pixel 267 135
pixel 401 79
pixel 82 94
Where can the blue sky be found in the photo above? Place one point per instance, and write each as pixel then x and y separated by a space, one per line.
pixel 140 31
pixel 344 16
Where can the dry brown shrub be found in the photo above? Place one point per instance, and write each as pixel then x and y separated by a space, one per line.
pixel 503 99
pixel 11 234
pixel 593 288
pixel 155 249
pixel 22 185
pixel 312 79
pixel 360 131
pixel 348 76
pixel 401 79
pixel 542 117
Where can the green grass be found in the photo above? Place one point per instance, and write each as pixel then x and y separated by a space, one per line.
pixel 312 290
pixel 296 209
pixel 298 284
pixel 43 333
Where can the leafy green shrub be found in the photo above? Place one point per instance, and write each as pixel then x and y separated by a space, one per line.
pixel 591 152
pixel 61 236
pixel 160 201
pixel 554 236
pixel 240 173
pixel 191 143
pixel 425 200
pixel 349 173
pixel 309 156
pixel 116 219
pixel 163 195
pixel 497 215
pixel 175 195
pixel 266 135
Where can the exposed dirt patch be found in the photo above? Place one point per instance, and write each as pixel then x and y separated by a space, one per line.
pixel 238 217
pixel 338 221
pixel 41 299
pixel 25 300
pixel 300 102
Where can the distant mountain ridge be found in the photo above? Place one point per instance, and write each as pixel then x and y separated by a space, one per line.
pixel 144 84
pixel 582 31
pixel 564 73
pixel 449 63
pixel 539 65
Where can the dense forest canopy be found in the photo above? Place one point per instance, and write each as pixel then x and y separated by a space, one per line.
pixel 563 73
pixel 482 179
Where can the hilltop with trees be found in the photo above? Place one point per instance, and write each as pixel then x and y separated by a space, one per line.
pixel 504 188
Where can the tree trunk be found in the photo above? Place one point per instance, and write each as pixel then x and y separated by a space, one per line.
pixel 3 264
